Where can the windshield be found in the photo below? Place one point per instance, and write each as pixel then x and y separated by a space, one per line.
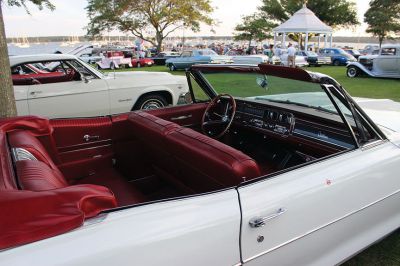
pixel 259 87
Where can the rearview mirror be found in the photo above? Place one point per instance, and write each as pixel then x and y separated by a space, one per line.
pixel 262 82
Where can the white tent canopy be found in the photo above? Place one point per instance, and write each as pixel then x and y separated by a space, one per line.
pixel 303 21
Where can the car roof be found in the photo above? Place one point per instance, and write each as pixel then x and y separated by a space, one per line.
pixel 391 46
pixel 20 59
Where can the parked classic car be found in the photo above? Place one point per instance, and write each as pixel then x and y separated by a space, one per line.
pixel 160 58
pixel 90 58
pixel 353 52
pixel 300 61
pixel 114 59
pixel 338 56
pixel 268 166
pixel 61 85
pixel 370 49
pixel 384 65
pixel 201 56
pixel 314 59
pixel 255 59
pixel 142 62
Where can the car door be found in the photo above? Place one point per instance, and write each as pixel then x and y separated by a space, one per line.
pixel 386 62
pixel 322 213
pixel 84 95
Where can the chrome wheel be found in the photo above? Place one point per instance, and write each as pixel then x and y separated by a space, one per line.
pixel 352 72
pixel 152 104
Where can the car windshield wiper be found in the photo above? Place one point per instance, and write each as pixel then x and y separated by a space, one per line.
pixel 319 108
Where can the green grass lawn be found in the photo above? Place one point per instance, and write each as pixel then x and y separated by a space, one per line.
pixel 358 87
pixel 386 252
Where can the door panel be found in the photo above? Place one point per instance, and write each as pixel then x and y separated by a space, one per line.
pixel 69 99
pixel 84 145
pixel 322 202
pixel 185 115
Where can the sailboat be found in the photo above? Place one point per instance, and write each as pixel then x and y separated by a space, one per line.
pixel 24 43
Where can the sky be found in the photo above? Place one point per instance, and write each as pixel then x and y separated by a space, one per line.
pixel 69 18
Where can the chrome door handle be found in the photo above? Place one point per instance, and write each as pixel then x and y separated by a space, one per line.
pixel 260 221
pixel 35 92
pixel 90 138
pixel 182 117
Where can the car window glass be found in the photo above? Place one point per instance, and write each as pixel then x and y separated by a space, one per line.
pixel 186 54
pixel 388 51
pixel 82 70
pixel 198 92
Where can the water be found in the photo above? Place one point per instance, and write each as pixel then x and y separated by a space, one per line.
pixel 42 48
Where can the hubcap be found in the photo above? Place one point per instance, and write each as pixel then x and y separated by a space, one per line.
pixel 352 72
pixel 152 104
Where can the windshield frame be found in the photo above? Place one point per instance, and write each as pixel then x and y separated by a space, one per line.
pixel 295 74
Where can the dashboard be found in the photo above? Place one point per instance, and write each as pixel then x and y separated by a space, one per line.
pixel 297 124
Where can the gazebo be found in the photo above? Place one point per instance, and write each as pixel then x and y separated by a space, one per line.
pixel 304 21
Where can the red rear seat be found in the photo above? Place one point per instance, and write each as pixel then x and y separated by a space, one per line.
pixel 192 161
pixel 42 174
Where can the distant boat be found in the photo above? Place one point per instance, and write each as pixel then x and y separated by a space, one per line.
pixel 64 43
pixel 37 41
pixel 24 43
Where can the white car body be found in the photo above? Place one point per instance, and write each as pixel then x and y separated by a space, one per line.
pixel 114 62
pixel 254 59
pixel 300 60
pixel 101 95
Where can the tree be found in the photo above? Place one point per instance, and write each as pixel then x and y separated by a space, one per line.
pixel 383 18
pixel 7 100
pixel 253 27
pixel 138 16
pixel 335 13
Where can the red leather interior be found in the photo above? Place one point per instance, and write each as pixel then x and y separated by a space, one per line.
pixel 42 78
pixel 38 176
pixel 185 115
pixel 193 161
pixel 206 164
pixel 41 202
pixel 33 216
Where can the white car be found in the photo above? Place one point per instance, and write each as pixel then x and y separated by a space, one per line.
pixel 300 61
pixel 386 64
pixel 61 85
pixel 113 60
pixel 255 59
pixel 269 165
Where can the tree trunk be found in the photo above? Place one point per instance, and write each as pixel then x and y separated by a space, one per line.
pixel 7 100
pixel 381 41
pixel 159 40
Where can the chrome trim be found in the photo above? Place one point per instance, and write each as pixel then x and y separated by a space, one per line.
pixel 373 144
pixel 321 227
pixel 182 117
pixel 260 221
pixel 20 154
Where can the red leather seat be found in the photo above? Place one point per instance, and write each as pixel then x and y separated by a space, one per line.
pixel 192 161
pixel 205 164
pixel 38 176
pixel 42 174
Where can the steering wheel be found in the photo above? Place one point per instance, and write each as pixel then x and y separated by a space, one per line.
pixel 218 116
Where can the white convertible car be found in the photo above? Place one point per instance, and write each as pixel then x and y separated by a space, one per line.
pixel 267 166
pixel 61 85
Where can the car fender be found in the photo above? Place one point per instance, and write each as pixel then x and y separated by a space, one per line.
pixel 361 67
pixel 154 89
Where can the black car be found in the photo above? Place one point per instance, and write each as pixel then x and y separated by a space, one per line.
pixel 353 52
pixel 160 58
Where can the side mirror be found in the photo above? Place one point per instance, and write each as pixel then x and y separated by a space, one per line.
pixel 185 98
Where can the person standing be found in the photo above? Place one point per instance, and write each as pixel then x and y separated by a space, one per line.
pixel 271 54
pixel 291 55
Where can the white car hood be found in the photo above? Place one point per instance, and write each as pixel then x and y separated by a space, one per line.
pixel 385 113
